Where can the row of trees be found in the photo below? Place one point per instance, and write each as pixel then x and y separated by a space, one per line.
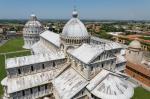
pixel 111 28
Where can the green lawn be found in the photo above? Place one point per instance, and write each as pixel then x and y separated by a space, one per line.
pixel 11 46
pixel 146 37
pixel 141 93
pixel 2 71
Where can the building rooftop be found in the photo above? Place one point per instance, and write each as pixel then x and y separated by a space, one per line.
pixel 32 59
pixel 29 81
pixel 52 37
pixel 69 83
pixel 112 45
pixel 90 51
pixel 108 45
pixel 120 59
pixel 106 85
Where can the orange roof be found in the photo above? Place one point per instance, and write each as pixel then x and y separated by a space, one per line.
pixel 139 68
pixel 134 36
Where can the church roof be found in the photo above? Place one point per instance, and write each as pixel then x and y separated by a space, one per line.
pixel 108 45
pixel 29 81
pixel 32 59
pixel 52 37
pixel 107 85
pixel 99 39
pixel 69 83
pixel 86 53
pixel 112 45
pixel 40 48
pixel 120 59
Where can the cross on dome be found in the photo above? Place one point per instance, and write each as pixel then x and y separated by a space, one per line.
pixel 75 13
pixel 33 17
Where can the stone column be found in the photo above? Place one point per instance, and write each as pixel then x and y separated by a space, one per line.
pixel 87 72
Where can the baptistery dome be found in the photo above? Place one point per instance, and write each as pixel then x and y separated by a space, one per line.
pixel 74 31
pixel 33 22
pixel 31 31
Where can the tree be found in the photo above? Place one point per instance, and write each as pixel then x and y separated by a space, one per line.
pixel 103 34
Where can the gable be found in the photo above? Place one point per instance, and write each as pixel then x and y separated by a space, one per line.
pixel 86 52
pixel 52 37
pixel 103 56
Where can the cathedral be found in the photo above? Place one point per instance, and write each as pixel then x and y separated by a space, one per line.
pixel 70 65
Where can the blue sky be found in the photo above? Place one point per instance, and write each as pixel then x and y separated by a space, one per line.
pixel 88 9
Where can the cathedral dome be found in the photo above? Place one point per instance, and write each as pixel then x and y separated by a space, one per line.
pixel 74 27
pixel 135 44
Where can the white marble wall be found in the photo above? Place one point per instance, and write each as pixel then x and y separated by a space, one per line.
pixel 34 68
pixel 33 93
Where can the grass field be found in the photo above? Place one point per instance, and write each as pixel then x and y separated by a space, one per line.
pixel 141 93
pixel 11 46
pixel 146 37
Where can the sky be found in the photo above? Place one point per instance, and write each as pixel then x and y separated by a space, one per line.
pixel 88 9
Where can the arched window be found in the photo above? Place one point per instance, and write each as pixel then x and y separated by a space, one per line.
pixel 39 88
pixel 43 67
pixel 91 68
pixel 102 65
pixel 32 69
pixel 54 64
pixel 23 93
pixel 45 86
pixel 19 71
pixel 31 91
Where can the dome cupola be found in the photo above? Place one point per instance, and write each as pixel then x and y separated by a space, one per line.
pixel 33 22
pixel 135 45
pixel 74 14
pixel 74 32
pixel 31 31
pixel 33 17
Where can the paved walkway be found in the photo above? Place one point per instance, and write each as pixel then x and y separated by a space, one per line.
pixel 14 52
pixel 3 42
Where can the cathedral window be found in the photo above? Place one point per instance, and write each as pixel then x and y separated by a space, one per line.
pixel 31 91
pixel 82 68
pixel 39 88
pixel 19 71
pixel 111 62
pixel 102 65
pixel 54 64
pixel 43 67
pixel 92 68
pixel 32 69
pixel 82 92
pixel 45 86
pixel 92 95
pixel 99 57
pixel 23 93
